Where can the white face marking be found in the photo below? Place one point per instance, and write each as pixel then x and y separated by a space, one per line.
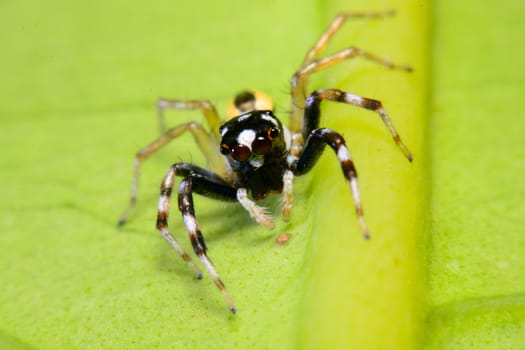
pixel 244 117
pixel 269 118
pixel 224 131
pixel 246 138
pixel 343 154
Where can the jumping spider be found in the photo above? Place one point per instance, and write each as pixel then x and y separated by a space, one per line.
pixel 253 154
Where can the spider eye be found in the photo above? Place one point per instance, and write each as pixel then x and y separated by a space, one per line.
pixel 225 149
pixel 241 153
pixel 261 145
pixel 273 133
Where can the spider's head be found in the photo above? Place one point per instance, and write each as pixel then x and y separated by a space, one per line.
pixel 254 137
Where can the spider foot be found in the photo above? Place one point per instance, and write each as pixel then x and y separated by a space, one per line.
pixel 257 213
pixel 286 212
pixel 198 274
pixel 125 214
pixel 196 271
pixel 261 216
pixel 286 207
pixel 362 221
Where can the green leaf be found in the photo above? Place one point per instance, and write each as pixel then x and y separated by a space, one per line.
pixel 370 294
pixel 477 265
pixel 82 81
pixel 79 85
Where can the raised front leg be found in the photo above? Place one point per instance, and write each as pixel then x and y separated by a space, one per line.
pixel 312 64
pixel 312 112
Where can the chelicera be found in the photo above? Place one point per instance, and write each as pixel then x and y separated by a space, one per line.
pixel 252 154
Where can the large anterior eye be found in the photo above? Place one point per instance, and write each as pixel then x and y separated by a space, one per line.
pixel 273 133
pixel 261 145
pixel 241 153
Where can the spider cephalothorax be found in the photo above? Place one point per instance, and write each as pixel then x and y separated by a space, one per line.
pixel 253 154
pixel 256 145
pixel 254 136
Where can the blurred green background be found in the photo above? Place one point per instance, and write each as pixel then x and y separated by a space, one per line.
pixel 477 232
pixel 444 269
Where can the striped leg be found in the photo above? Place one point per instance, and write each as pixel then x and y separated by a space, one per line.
pixel 312 112
pixel 162 219
pixel 312 64
pixel 197 239
pixel 202 182
pixel 204 140
pixel 315 144
pixel 300 78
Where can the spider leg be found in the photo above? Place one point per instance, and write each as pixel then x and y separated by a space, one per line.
pixel 202 182
pixel 256 212
pixel 312 112
pixel 300 78
pixel 334 27
pixel 287 197
pixel 206 143
pixel 311 65
pixel 314 146
pixel 210 112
